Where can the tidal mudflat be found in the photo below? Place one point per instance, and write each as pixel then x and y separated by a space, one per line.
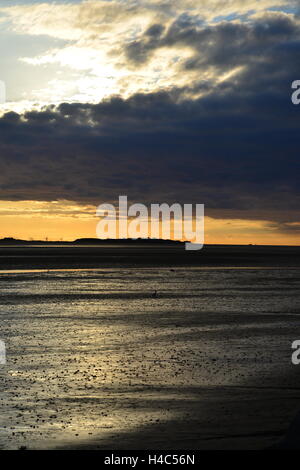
pixel 96 359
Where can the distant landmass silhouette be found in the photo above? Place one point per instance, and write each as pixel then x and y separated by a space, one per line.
pixel 95 253
pixel 93 241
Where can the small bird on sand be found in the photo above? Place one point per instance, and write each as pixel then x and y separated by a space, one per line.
pixel 154 295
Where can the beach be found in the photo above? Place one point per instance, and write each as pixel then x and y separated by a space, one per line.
pixel 149 357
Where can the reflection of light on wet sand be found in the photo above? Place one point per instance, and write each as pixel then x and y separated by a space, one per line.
pixel 117 270
pixel 97 370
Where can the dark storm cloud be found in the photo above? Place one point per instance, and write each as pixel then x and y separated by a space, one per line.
pixel 236 147
pixel 224 45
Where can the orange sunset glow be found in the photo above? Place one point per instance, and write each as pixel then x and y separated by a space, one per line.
pixel 67 221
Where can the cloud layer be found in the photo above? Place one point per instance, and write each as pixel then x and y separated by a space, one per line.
pixel 197 107
pixel 93 48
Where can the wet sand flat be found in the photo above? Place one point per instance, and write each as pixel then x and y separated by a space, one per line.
pixel 94 360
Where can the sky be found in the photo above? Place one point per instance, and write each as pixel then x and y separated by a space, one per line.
pixel 163 101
